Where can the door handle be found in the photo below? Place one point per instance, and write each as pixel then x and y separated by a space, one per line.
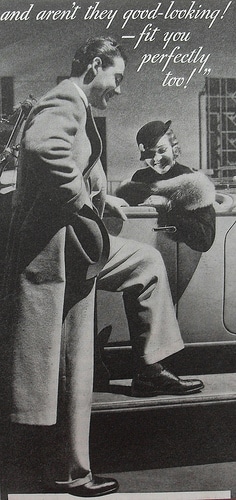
pixel 168 229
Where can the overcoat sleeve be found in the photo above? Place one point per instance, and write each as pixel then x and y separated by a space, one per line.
pixel 49 139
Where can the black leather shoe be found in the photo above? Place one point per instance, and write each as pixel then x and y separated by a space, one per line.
pixel 163 383
pixel 97 487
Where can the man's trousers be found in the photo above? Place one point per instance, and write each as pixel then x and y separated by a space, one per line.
pixel 138 270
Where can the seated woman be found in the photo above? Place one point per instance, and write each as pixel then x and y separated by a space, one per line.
pixel 184 197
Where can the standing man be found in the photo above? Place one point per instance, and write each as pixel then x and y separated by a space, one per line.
pixel 57 245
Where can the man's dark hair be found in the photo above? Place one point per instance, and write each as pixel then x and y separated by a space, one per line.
pixel 104 47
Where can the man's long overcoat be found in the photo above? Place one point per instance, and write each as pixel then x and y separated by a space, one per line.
pixel 55 237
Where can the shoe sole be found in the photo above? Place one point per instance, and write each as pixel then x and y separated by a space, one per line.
pixel 138 394
pixel 113 490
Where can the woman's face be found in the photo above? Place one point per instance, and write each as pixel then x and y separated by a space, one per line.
pixel 162 156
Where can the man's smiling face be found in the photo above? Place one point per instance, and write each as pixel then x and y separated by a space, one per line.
pixel 106 83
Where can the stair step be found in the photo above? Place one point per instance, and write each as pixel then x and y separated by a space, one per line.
pixel 219 388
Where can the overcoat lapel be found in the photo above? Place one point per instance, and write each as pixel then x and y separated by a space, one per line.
pixel 95 140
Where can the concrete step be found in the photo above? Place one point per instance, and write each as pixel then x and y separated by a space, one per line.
pixel 219 389
pixel 189 495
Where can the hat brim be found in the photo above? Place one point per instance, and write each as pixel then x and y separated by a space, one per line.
pixel 145 154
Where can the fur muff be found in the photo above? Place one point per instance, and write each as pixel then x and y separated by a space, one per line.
pixel 191 191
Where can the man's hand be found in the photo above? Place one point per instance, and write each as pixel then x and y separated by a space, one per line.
pixel 114 206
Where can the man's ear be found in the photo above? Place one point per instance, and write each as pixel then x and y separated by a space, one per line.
pixel 96 64
pixel 92 69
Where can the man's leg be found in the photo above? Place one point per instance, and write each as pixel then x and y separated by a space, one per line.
pixel 139 272
pixel 75 416
pixel 76 386
pixel 79 335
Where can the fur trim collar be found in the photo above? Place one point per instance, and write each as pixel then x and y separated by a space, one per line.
pixel 191 191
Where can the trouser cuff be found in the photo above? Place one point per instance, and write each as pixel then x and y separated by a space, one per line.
pixel 158 355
